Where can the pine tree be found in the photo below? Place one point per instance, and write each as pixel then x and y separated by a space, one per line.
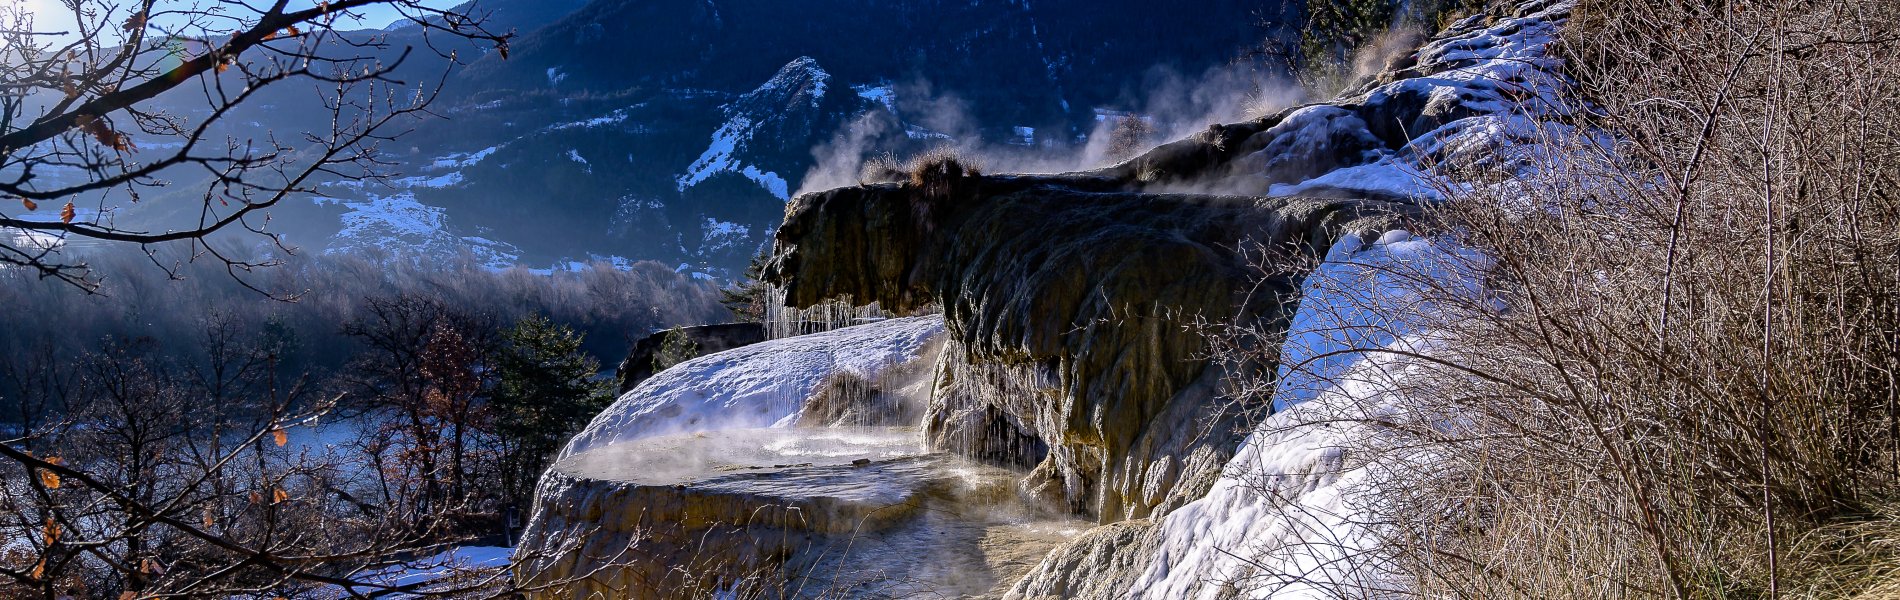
pixel 747 297
pixel 547 392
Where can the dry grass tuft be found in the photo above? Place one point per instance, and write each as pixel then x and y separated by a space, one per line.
pixel 941 173
pixel 883 168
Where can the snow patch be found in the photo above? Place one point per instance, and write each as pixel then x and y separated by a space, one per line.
pixel 449 568
pixel 919 133
pixel 617 116
pixel 881 94
pixel 768 180
pixel 463 160
pixel 764 108
pixel 719 157
pixel 399 225
pixel 719 235
pixel 1023 136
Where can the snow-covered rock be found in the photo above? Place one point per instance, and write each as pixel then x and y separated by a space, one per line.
pixel 1475 95
pixel 695 483
pixel 1291 515
pixel 1288 517
pixel 761 385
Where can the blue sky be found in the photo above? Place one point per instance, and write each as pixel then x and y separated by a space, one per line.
pixel 51 15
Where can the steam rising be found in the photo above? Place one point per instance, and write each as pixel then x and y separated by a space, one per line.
pixel 1171 104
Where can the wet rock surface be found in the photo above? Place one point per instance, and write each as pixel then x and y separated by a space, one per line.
pixel 853 512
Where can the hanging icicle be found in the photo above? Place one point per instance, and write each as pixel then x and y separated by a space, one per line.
pixel 782 321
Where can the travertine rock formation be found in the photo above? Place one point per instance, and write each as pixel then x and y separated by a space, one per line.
pixel 1079 295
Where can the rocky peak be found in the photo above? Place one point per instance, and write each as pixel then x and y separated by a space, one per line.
pixel 766 128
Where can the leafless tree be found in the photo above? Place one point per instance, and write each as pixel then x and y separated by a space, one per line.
pixel 82 128
pixel 142 471
pixel 420 378
pixel 200 470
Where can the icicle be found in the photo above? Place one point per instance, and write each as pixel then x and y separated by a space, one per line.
pixel 782 321
pixel 992 411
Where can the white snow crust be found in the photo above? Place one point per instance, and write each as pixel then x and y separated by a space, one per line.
pixel 761 385
pixel 1503 73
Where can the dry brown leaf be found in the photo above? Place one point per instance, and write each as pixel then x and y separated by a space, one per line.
pixel 278 435
pixel 66 214
pixel 99 130
pixel 39 570
pixel 30 204
pixel 51 531
pixel 127 595
pixel 48 478
pixel 293 30
pixel 279 495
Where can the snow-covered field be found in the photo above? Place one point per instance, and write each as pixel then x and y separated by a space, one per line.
pixel 459 567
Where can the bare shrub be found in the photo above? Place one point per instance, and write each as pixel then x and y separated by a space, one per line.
pixel 1689 390
pixel 1679 377
pixel 1131 135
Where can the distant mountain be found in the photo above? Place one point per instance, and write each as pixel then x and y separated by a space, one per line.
pixel 676 129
